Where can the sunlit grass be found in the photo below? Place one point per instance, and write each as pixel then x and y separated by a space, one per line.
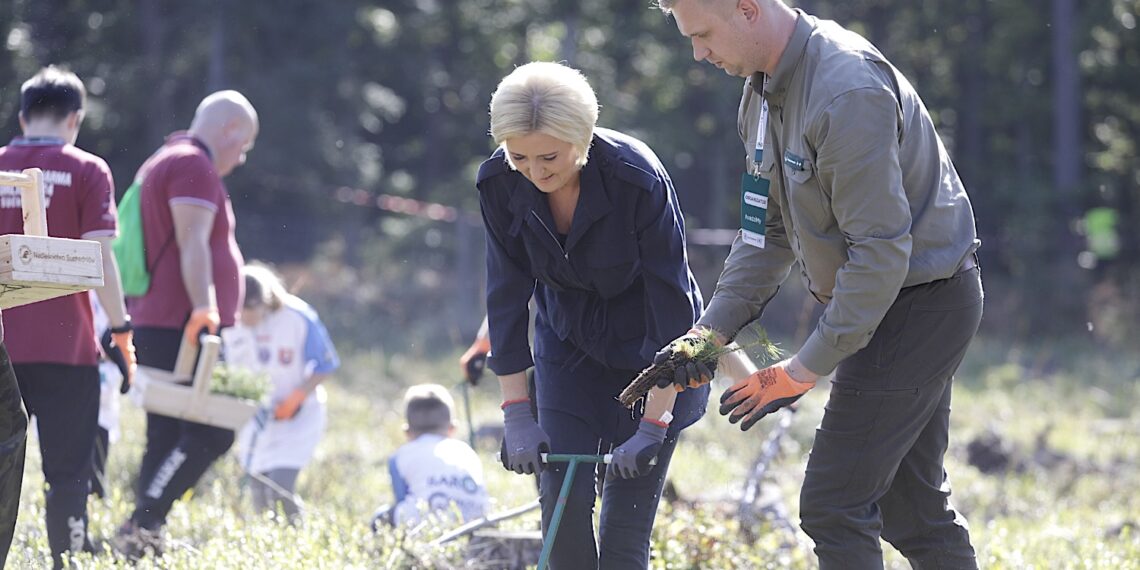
pixel 1070 424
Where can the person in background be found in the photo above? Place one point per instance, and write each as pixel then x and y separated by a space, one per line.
pixel 112 374
pixel 472 360
pixel 59 378
pixel 433 474
pixel 194 263
pixel 281 336
pixel 585 221
pixel 847 176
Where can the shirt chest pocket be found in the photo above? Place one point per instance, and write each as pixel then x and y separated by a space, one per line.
pixel 613 268
pixel 550 267
pixel 808 202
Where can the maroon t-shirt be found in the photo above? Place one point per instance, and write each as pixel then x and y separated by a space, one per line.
pixel 80 200
pixel 181 172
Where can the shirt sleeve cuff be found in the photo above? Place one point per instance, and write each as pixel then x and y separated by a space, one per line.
pixel 819 356
pixel 726 316
pixel 99 234
pixel 509 363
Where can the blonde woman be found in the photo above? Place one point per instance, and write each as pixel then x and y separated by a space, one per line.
pixel 585 220
pixel 281 335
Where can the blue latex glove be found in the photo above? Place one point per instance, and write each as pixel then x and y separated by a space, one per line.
pixel 631 459
pixel 523 440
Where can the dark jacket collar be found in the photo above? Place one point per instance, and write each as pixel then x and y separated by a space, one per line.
pixel 777 86
pixel 593 201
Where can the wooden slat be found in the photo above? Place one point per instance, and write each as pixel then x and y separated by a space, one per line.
pixel 15 179
pixel 32 199
pixel 35 267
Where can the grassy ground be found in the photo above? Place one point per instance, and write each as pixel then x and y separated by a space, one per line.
pixel 1064 417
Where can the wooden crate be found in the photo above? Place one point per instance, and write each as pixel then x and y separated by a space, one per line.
pixel 35 267
pixel 162 392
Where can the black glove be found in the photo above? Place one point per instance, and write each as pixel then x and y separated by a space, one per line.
pixel 475 368
pixel 632 458
pixel 523 439
pixel 693 374
pixel 115 355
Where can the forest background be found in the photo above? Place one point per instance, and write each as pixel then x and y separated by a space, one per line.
pixel 374 121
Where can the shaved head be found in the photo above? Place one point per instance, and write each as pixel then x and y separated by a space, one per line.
pixel 227 123
pixel 223 107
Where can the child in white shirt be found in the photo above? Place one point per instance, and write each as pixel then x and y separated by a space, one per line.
pixel 433 474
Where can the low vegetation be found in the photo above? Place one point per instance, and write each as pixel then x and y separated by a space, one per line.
pixel 1044 460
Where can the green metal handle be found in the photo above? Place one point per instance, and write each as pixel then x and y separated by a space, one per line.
pixel 572 460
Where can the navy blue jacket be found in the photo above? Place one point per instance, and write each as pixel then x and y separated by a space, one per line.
pixel 618 290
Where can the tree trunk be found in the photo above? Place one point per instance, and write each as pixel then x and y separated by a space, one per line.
pixel 971 140
pixel 1067 156
pixel 216 77
pixel 1067 151
pixel 158 105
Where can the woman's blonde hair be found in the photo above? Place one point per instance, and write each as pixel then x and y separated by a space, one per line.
pixel 548 98
pixel 263 287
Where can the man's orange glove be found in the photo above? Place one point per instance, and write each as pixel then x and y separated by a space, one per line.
pixel 760 394
pixel 289 406
pixel 202 318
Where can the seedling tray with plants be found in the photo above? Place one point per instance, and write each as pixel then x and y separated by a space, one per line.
pixel 216 395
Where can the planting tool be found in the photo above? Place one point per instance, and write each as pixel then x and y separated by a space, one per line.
pixel 475 368
pixel 746 510
pixel 572 460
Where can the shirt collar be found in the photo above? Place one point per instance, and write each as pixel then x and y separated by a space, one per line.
pixel 777 85
pixel 38 141
pixel 178 136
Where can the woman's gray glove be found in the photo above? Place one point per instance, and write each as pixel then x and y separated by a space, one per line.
pixel 632 458
pixel 523 440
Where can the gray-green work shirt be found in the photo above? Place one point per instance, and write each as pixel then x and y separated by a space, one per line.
pixel 863 194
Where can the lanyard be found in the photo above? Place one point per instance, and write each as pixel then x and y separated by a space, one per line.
pixel 754 188
pixel 761 129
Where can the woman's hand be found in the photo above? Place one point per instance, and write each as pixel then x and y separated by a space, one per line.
pixel 523 439
pixel 632 458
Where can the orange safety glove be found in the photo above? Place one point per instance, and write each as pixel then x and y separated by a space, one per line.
pixel 289 406
pixel 760 394
pixel 202 318
pixel 126 343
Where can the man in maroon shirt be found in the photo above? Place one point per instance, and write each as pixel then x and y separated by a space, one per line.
pixel 194 261
pixel 51 343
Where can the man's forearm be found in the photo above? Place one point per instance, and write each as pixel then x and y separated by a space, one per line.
pixel 111 293
pixel 198 273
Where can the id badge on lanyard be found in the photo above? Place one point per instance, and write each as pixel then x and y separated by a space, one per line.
pixel 754 189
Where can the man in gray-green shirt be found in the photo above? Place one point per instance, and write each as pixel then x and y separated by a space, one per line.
pixel 13 440
pixel 846 175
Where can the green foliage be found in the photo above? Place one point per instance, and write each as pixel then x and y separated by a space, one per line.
pixel 392 99
pixel 1067 414
pixel 239 382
